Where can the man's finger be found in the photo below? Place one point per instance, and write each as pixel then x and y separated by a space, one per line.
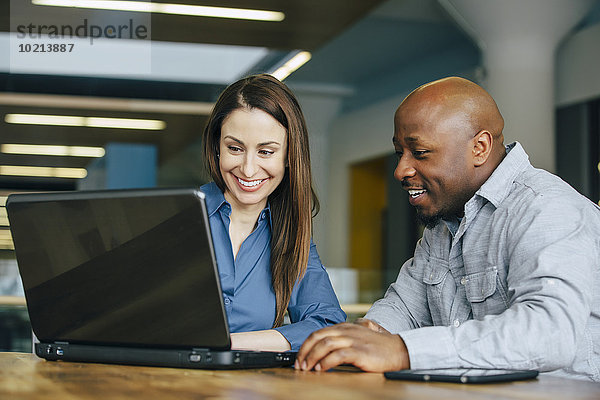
pixel 345 355
pixel 314 338
pixel 322 348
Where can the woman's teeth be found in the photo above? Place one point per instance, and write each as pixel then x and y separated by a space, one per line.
pixel 250 183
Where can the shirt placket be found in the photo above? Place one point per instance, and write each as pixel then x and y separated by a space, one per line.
pixel 227 286
pixel 249 252
pixel 461 308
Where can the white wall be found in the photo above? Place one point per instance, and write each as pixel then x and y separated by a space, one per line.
pixel 320 107
pixel 578 67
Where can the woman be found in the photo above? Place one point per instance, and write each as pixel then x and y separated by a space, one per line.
pixel 260 209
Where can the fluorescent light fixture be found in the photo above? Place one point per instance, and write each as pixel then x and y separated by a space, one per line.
pixel 50 172
pixel 92 122
pixel 169 8
pixel 37 119
pixel 7 245
pixel 3 217
pixel 6 241
pixel 125 123
pixel 291 65
pixel 3 201
pixel 51 150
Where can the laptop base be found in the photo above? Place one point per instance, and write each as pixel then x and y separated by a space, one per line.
pixel 175 358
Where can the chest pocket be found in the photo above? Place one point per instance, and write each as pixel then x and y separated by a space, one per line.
pixel 485 294
pixel 440 291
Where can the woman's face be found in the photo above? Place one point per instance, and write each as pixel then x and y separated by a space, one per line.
pixel 252 161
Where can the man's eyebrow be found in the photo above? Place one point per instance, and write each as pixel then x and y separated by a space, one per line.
pixel 407 139
pixel 412 139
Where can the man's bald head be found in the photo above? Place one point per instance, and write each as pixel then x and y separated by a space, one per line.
pixel 459 100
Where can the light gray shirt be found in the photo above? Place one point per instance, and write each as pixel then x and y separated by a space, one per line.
pixel 517 285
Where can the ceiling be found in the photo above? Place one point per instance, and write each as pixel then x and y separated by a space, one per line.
pixel 308 25
pixel 369 48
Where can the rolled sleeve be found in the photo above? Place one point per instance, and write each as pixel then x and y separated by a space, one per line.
pixel 430 347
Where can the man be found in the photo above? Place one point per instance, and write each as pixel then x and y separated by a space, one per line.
pixel 507 274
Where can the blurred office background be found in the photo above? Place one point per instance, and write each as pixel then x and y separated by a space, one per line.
pixel 130 113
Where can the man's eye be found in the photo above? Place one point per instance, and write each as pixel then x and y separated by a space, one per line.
pixel 419 153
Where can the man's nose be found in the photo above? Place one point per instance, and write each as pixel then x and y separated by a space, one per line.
pixel 404 169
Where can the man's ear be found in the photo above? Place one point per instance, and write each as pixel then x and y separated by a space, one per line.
pixel 482 147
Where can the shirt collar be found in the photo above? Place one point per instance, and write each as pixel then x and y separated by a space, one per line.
pixel 495 188
pixel 498 185
pixel 214 198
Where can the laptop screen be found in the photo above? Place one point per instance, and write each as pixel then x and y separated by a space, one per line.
pixel 127 267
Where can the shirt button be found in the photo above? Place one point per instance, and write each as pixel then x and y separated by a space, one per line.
pixel 227 301
pixel 463 280
pixel 456 323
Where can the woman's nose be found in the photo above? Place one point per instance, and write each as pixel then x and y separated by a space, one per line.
pixel 249 166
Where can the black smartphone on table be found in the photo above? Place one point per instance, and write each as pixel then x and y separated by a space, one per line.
pixel 462 375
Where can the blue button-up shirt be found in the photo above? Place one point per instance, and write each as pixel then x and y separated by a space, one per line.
pixel 246 280
pixel 514 284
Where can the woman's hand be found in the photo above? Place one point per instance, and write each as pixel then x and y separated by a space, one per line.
pixel 267 340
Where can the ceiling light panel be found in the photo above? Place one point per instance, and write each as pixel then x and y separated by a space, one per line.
pixel 169 8
pixel 52 150
pixel 47 172
pixel 92 122
pixel 125 123
pixel 3 217
pixel 36 119
pixel 292 65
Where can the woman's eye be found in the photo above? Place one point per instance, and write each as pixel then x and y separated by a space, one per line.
pixel 265 152
pixel 234 148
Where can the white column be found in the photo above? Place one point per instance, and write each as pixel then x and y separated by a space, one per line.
pixel 518 39
pixel 321 105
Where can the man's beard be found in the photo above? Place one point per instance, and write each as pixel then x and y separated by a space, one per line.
pixel 430 221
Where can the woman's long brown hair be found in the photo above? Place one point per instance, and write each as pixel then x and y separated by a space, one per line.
pixel 294 200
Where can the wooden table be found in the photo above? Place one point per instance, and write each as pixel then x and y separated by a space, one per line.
pixel 24 376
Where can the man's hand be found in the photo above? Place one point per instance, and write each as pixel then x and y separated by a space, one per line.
pixel 352 344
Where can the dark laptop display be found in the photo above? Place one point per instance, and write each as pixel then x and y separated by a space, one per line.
pixel 125 276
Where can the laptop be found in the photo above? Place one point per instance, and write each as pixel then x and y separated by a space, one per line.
pixel 125 277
